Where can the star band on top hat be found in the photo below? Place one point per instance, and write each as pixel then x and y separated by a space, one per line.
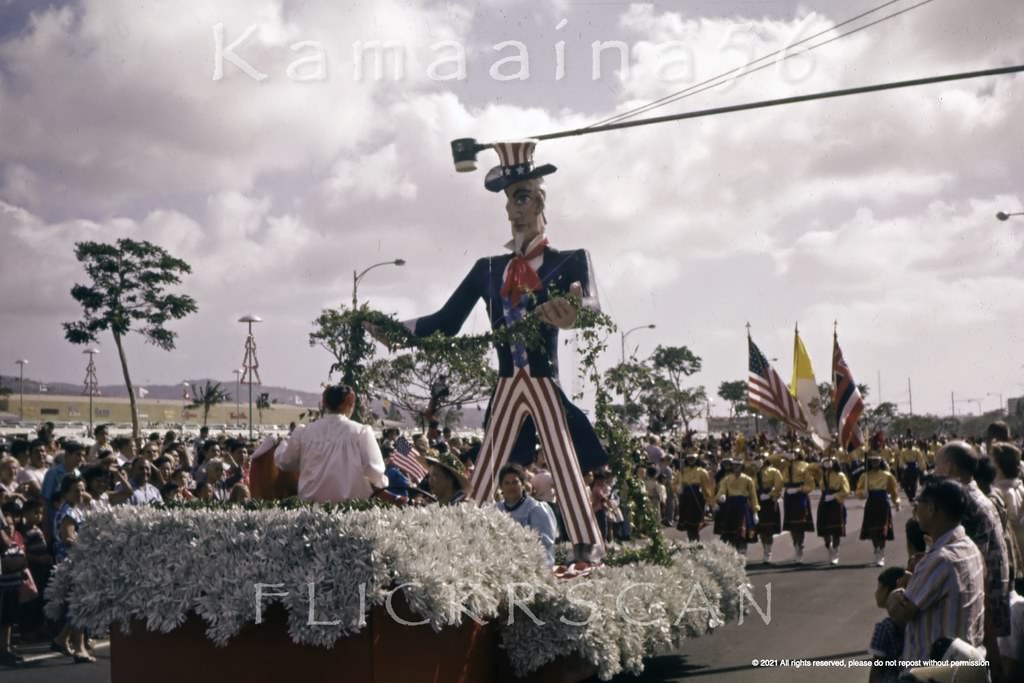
pixel 515 161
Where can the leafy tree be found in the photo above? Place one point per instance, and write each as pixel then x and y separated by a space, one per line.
pixel 922 426
pixel 692 403
pixel 825 394
pixel 454 376
pixel 879 417
pixel 207 397
pixel 263 402
pixel 393 413
pixel 735 393
pixel 128 291
pixel 675 363
pixel 659 401
pixel 341 333
pixel 667 401
pixel 629 379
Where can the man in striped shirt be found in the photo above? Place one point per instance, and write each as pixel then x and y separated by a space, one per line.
pixel 946 594
pixel 958 460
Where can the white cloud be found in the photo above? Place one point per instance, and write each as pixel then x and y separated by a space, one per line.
pixel 877 211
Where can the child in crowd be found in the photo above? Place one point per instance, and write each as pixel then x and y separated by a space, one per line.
pixel 40 563
pixel 10 583
pixel 916 546
pixel 887 640
pixel 600 494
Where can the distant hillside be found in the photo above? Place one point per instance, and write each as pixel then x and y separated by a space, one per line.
pixel 471 417
pixel 165 391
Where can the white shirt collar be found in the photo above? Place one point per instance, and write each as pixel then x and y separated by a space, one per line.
pixel 511 244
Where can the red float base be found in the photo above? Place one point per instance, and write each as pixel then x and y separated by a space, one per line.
pixel 385 651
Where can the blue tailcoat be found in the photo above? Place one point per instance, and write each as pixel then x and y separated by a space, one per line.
pixel 557 272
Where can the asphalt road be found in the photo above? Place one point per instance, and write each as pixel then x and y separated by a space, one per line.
pixel 818 612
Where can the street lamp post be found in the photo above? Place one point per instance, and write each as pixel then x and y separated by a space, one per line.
pixel 1003 216
pixel 90 381
pixel 357 277
pixel 629 332
pixel 250 366
pixel 238 408
pixel 999 396
pixel 21 388
pixel 975 401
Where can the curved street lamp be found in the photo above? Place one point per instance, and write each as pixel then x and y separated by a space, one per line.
pixel 1003 216
pixel 357 277
pixel 629 332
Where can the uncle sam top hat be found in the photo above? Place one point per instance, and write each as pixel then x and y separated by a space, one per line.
pixel 516 159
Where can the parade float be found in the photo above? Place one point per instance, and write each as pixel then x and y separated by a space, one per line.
pixel 427 594
pixel 282 590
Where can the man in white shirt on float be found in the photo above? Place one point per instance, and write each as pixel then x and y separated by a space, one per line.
pixel 337 459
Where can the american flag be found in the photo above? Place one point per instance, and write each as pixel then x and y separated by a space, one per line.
pixel 845 397
pixel 404 459
pixel 767 392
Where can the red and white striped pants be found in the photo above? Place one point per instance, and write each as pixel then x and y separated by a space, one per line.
pixel 516 398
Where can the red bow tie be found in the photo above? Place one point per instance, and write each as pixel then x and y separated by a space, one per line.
pixel 521 277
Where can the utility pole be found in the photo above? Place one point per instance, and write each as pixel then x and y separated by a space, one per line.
pixel 250 365
pixel 910 396
pixel 952 403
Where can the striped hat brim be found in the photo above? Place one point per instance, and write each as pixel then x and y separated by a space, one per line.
pixel 500 177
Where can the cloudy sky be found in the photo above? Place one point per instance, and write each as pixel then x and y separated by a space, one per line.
pixel 277 180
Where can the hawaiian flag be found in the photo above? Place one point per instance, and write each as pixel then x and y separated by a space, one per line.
pixel 767 393
pixel 404 459
pixel 845 397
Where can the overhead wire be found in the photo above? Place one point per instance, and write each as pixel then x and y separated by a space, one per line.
pixel 945 78
pixel 725 76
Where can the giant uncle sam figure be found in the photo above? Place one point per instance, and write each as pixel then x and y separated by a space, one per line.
pixel 532 280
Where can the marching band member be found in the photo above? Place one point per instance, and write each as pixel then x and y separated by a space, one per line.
pixel 737 506
pixel 693 486
pixel 912 466
pixel 796 505
pixel 835 488
pixel 769 484
pixel 877 485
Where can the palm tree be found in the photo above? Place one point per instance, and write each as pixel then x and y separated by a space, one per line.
pixel 207 397
pixel 264 402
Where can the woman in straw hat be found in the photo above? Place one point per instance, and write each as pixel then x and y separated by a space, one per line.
pixel 447 478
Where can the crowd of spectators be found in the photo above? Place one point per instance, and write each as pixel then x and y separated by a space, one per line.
pixel 48 486
pixel 964 543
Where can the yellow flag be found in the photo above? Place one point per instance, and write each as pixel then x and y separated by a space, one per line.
pixel 805 389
